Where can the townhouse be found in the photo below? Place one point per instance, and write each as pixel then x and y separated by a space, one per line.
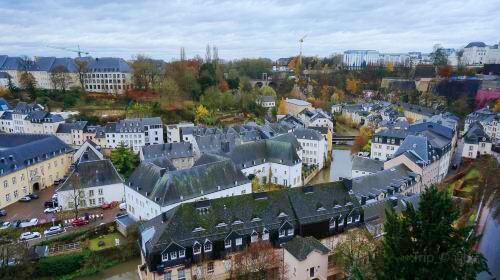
pixel 476 142
pixel 277 160
pixel 93 182
pixel 314 147
pixel 174 131
pixel 19 114
pixel 42 122
pixel 386 142
pixel 154 188
pixel 266 101
pixel 181 154
pixel 29 163
pixel 134 133
pixel 416 112
pixel 315 118
pixel 488 119
pixel 295 106
pixel 210 140
pixel 362 166
pixel 200 239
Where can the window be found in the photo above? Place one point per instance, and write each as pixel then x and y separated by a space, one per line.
pixel 16 194
pixel 182 253
pixel 290 231
pixel 254 237
pixel 341 221
pixel 91 192
pixel 349 220
pixel 99 191
pixel 227 243
pixel 210 267
pixel 167 276
pixel 196 249
pixel 239 241
pixel 91 201
pixel 282 233
pixel 7 197
pixel 173 255
pixel 358 217
pixel 265 235
pixel 181 274
pixel 5 184
pixel 101 200
pixel 332 224
pixel 13 180
pixel 208 246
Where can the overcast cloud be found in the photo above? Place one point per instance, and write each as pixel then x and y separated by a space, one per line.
pixel 242 28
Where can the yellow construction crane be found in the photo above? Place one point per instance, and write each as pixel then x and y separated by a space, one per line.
pixel 78 50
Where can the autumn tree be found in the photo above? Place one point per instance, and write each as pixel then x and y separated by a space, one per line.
pixel 60 78
pixel 439 57
pixel 362 140
pixel 223 86
pixel 267 90
pixel 28 83
pixel 338 96
pixel 282 107
pixel 389 67
pixel 353 254
pixel 445 71
pixel 260 260
pixel 146 72
pixel 245 85
pixel 168 90
pixel 352 85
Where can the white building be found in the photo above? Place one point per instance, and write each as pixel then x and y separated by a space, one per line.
pixel 180 154
pixel 305 258
pixel 174 131
pixel 476 142
pixel 266 101
pixel 134 133
pixel 314 146
pixel 385 143
pixel 91 184
pixel 478 53
pixel 277 160
pixel 107 75
pixel 315 118
pixel 488 119
pixel 356 59
pixel 362 166
pixel 152 189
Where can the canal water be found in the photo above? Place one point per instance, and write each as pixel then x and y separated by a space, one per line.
pixel 123 271
pixel 490 247
pixel 340 167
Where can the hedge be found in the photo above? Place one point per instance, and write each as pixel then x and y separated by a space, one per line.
pixel 59 265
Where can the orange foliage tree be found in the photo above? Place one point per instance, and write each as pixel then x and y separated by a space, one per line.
pixel 352 85
pixel 223 86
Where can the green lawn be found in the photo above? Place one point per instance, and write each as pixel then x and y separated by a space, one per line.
pixel 472 174
pixel 109 240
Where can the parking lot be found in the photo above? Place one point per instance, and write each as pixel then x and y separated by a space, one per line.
pixel 35 208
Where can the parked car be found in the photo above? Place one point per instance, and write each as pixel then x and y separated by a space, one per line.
pixel 26 198
pixel 15 223
pixel 123 206
pixel 33 195
pixel 121 214
pixel 3 212
pixel 54 196
pixel 106 205
pixel 53 230
pixel 50 204
pixel 79 222
pixel 5 225
pixel 52 210
pixel 29 235
pixel 29 223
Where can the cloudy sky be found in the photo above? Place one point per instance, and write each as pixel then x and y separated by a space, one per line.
pixel 242 28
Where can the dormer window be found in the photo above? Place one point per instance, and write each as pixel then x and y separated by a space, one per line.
pixel 173 255
pixel 182 253
pixel 239 241
pixel 256 219
pixel 237 222
pixel 265 234
pixel 332 223
pixel 196 248
pixel 358 218
pixel 282 214
pixel 207 246
pixel 197 229
pixel 221 224
pixel 227 243
pixel 254 237
pixel 282 233
pixel 341 221
pixel 349 220
pixel 290 232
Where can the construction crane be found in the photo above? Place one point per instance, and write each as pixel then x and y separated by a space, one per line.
pixel 300 53
pixel 78 50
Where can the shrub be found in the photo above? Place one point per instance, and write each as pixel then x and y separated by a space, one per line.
pixel 59 265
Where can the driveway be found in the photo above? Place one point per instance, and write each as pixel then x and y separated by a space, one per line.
pixel 32 209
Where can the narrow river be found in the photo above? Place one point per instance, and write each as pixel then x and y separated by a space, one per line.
pixel 340 167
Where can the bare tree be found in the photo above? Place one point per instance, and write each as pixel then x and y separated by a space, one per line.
pixel 77 195
pixel 60 78
pixel 147 72
pixel 82 69
pixel 260 260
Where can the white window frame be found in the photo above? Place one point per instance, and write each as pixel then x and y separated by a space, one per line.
pixel 290 232
pixel 265 234
pixel 282 233
pixel 239 241
pixel 173 255
pixel 349 220
pixel 227 243
pixel 196 252
pixel 207 243
pixel 182 253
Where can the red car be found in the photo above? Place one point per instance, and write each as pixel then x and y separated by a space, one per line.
pixel 106 205
pixel 79 222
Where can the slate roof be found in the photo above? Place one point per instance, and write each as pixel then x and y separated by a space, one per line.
pixel 132 125
pixel 25 108
pixel 381 182
pixel 270 150
pixel 67 127
pixel 266 98
pixel 291 122
pixel 300 247
pixel 393 133
pixel 418 148
pixel 419 109
pixel 320 129
pixel 4 75
pixel 7 115
pixel 254 211
pixel 476 134
pixel 169 150
pixel 367 164
pixel 425 71
pixel 476 44
pixel 106 64
pixel 18 151
pixel 432 126
pixel 89 174
pixel 166 188
pixel 43 117
pixel 297 102
pixel 307 134
pixel 4 105
pixel 208 158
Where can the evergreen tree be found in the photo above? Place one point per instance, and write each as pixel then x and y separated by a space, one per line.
pixel 427 244
pixel 124 159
